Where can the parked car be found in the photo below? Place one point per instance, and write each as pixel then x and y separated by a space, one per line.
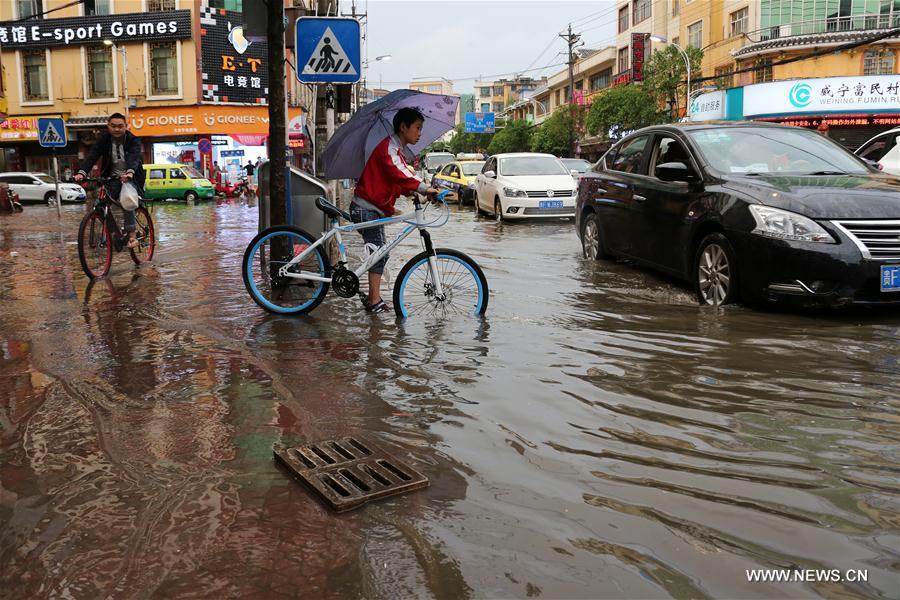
pixel 524 185
pixel 164 181
pixel 432 163
pixel 459 176
pixel 40 187
pixel 751 211
pixel 883 149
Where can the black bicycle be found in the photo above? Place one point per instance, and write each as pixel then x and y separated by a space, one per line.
pixel 99 234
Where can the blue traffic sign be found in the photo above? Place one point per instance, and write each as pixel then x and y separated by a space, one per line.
pixel 328 50
pixel 51 132
pixel 479 122
pixel 204 146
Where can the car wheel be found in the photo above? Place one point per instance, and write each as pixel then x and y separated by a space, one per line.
pixel 715 271
pixel 498 210
pixel 50 197
pixel 478 211
pixel 591 241
pixel 191 197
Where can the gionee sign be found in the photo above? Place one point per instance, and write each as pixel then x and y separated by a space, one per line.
pixel 201 120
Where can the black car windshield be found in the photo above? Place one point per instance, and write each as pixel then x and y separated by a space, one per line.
pixel 576 164
pixel 532 165
pixel 755 150
pixel 436 162
pixel 472 168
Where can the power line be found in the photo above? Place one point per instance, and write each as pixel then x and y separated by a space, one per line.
pixel 454 79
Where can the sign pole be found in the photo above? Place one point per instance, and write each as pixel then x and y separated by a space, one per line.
pixel 56 177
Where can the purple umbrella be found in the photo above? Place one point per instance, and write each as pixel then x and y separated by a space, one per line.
pixel 350 147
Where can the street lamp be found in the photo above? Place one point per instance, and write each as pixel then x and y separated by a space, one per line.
pixel 124 52
pixel 687 64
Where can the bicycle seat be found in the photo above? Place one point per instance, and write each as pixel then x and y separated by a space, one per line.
pixel 330 209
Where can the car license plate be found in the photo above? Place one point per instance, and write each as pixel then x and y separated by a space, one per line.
pixel 890 278
pixel 550 204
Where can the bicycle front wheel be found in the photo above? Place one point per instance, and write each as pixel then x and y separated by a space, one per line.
pixel 463 285
pixel 146 237
pixel 94 245
pixel 267 253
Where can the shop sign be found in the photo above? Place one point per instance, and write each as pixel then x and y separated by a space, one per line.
pixel 230 153
pixel 839 120
pixel 875 93
pixel 638 52
pixel 200 120
pixel 234 68
pixel 20 128
pixel 708 107
pixel 77 31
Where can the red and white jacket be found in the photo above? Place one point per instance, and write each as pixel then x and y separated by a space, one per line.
pixel 387 176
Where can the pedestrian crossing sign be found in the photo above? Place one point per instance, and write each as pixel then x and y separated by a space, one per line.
pixel 328 50
pixel 51 132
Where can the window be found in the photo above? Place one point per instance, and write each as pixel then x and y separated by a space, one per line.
pixel 763 72
pixel 498 90
pixel 97 7
pixel 623 59
pixel 34 76
pixel 629 156
pixel 601 80
pixel 237 5
pixel 557 98
pixel 485 108
pixel 640 11
pixel 724 77
pixel 177 174
pixel 485 92
pixel 878 61
pixel 163 69
pixel 498 106
pixel 566 92
pixel 739 21
pixel 99 72
pixel 623 19
pixel 155 5
pixel 877 148
pixel 676 7
pixel 157 173
pixel 579 85
pixel 29 8
pixel 695 34
pixel 668 150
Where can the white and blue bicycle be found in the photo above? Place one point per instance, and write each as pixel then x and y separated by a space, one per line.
pixel 286 270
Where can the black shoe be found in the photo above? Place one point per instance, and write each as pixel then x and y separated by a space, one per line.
pixel 379 307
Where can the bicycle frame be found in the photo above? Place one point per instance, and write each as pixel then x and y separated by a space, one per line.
pixel 415 220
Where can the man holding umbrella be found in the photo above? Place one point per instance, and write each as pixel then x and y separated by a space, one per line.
pixel 386 177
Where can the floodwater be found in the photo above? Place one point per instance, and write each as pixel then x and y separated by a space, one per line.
pixel 598 435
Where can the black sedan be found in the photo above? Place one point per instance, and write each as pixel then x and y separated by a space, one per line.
pixel 746 211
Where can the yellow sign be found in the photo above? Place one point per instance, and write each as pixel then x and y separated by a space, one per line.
pixel 207 119
pixel 21 128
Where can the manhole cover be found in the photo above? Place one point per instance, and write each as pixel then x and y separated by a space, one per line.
pixel 349 472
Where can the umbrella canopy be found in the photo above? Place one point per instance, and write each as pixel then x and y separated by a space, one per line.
pixel 348 150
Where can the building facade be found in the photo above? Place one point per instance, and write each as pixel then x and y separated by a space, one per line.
pixel 180 70
pixel 495 96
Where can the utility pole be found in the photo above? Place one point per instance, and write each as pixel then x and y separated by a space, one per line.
pixel 277 113
pixel 571 40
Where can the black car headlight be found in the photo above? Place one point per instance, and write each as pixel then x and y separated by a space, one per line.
pixel 787 225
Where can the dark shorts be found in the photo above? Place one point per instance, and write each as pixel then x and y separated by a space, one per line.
pixel 372 235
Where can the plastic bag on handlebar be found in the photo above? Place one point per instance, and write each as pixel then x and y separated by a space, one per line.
pixel 129 197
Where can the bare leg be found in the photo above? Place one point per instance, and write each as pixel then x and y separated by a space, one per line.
pixel 374 288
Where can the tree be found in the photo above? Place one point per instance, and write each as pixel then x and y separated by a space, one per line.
pixel 552 136
pixel 514 137
pixel 469 142
pixel 665 73
pixel 621 109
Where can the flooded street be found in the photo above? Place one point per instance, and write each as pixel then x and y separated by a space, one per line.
pixel 597 435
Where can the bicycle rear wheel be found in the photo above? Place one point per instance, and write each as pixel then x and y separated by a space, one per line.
pixel 94 245
pixel 267 253
pixel 146 237
pixel 464 286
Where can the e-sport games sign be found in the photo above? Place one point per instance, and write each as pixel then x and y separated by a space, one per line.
pixel 234 70
pixel 77 31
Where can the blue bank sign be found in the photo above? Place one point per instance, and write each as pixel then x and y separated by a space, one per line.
pixel 477 122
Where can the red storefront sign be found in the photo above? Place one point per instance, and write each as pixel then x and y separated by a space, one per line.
pixel 638 51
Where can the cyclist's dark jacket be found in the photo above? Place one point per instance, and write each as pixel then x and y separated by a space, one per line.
pixel 134 158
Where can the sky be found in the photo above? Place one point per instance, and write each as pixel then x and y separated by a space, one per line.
pixel 463 39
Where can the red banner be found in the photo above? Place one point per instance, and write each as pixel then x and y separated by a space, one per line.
pixel 638 52
pixel 249 139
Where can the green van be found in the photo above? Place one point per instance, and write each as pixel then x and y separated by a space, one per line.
pixel 176 181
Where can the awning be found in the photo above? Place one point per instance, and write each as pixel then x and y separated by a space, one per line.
pixel 86 122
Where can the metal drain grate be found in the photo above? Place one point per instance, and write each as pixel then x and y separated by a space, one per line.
pixel 349 472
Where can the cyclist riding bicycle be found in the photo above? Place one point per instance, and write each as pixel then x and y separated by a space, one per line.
pixel 122 156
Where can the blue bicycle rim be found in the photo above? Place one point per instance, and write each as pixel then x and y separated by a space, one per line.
pixel 256 293
pixel 478 304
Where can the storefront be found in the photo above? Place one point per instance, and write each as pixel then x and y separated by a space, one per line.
pixel 202 135
pixel 20 150
pixel 850 110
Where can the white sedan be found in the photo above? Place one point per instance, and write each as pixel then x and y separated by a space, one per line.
pixel 884 149
pixel 40 187
pixel 524 185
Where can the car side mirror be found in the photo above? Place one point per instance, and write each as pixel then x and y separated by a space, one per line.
pixel 574 173
pixel 675 171
pixel 490 174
